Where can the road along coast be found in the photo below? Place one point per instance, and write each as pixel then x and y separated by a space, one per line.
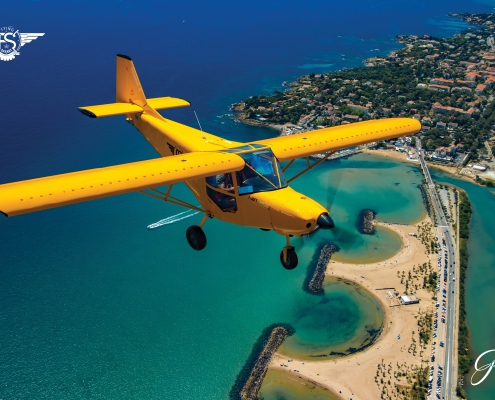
pixel 399 348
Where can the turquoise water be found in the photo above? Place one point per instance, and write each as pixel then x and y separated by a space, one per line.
pixel 99 306
pixel 364 181
pixel 93 305
pixel 480 278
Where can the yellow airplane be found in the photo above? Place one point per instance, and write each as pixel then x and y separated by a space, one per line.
pixel 240 183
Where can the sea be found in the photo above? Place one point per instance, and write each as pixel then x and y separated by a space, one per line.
pixel 92 304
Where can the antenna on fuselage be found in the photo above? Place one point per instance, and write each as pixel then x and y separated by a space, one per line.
pixel 204 137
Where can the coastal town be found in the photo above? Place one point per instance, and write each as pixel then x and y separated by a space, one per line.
pixel 448 84
pixel 445 83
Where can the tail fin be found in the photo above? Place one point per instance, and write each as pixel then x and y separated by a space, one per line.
pixel 129 89
pixel 130 98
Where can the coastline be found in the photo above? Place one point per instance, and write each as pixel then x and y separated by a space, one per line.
pixel 397 155
pixel 339 374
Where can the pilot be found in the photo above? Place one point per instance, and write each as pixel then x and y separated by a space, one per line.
pixel 224 182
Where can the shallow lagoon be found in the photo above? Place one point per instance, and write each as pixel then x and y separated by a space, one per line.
pixel 279 385
pixel 345 319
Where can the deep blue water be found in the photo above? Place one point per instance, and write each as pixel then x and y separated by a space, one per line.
pixel 92 305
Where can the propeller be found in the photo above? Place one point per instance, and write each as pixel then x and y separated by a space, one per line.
pixel 342 235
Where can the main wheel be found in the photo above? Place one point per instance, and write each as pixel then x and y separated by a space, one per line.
pixel 196 237
pixel 292 260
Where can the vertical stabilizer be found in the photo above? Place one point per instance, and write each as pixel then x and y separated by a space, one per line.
pixel 129 89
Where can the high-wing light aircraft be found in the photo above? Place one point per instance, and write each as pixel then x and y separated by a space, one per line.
pixel 240 183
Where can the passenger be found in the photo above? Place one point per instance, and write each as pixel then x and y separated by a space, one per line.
pixel 224 182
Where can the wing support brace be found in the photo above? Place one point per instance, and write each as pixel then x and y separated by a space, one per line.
pixel 310 166
pixel 156 194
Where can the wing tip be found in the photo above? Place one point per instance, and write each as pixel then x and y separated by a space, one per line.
pixel 87 112
pixel 124 56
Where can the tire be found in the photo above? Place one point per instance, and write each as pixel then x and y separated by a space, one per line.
pixel 196 237
pixel 292 259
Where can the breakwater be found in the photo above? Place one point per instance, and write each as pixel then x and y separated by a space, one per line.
pixel 250 378
pixel 318 266
pixel 365 222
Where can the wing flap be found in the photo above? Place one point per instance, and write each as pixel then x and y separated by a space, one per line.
pixel 53 191
pixel 340 137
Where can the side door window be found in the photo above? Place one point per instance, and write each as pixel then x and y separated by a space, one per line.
pixel 220 188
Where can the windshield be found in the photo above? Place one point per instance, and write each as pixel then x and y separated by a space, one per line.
pixel 261 173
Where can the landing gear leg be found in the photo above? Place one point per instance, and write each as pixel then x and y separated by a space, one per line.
pixel 288 256
pixel 195 235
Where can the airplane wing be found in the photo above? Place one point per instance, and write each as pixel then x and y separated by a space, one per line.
pixel 340 137
pixel 53 191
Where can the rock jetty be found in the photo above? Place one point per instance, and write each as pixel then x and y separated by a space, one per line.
pixel 251 377
pixel 365 222
pixel 253 384
pixel 316 282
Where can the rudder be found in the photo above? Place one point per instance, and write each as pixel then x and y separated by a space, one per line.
pixel 128 87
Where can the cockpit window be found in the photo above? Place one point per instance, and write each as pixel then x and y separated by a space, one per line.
pixel 261 173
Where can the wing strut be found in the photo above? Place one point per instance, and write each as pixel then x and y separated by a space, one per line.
pixel 310 166
pixel 169 199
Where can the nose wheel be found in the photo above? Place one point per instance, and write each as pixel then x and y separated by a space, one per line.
pixel 288 256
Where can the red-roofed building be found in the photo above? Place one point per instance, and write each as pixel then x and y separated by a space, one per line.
pixel 359 108
pixel 352 118
pixel 467 83
pixel 440 88
pixel 490 81
pixel 480 89
pixel 442 81
pixel 471 76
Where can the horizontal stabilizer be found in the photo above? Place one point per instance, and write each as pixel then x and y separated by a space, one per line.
pixel 58 190
pixel 161 103
pixel 108 110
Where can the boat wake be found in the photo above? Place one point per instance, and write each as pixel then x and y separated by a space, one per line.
pixel 173 219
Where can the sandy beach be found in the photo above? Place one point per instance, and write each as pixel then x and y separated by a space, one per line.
pixel 354 376
pixel 398 155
